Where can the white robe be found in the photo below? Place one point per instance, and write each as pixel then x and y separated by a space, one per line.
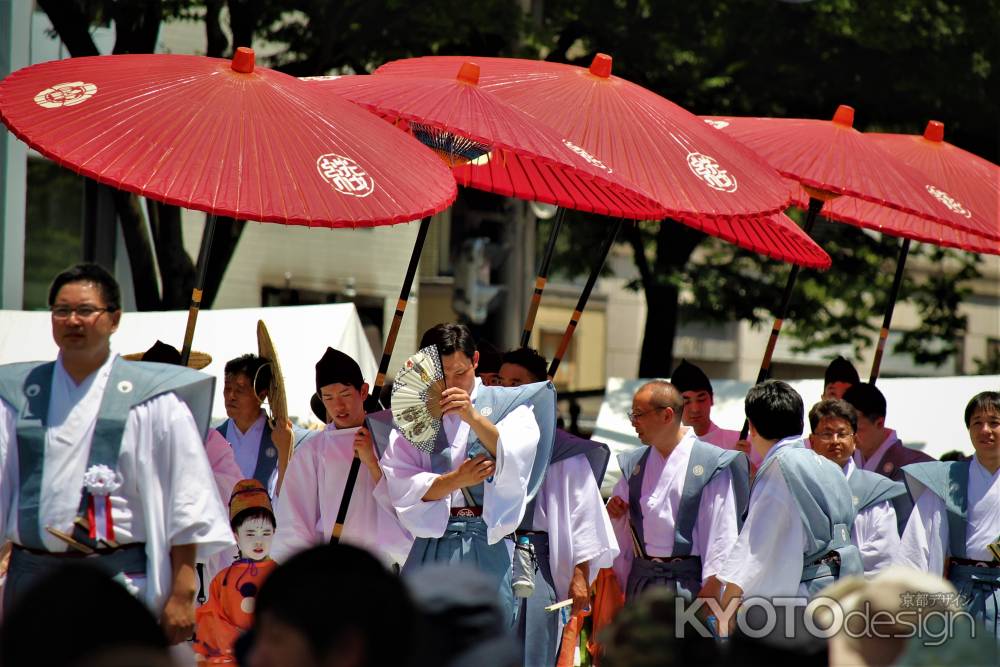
pixel 925 542
pixel 714 531
pixel 569 508
pixel 168 496
pixel 310 497
pixel 874 533
pixel 768 556
pixel 408 476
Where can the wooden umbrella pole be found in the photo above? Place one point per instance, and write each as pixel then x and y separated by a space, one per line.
pixel 765 365
pixel 404 295
pixel 199 285
pixel 897 281
pixel 383 367
pixel 584 296
pixel 542 278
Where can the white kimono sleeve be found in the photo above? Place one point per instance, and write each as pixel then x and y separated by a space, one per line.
pixel 876 535
pixel 715 532
pixel 504 497
pixel 767 559
pixel 223 463
pixel 924 545
pixel 577 523
pixel 297 509
pixel 179 500
pixel 626 550
pixel 407 476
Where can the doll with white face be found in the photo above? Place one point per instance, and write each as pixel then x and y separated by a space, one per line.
pixel 232 595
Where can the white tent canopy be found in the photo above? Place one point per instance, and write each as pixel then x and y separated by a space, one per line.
pixel 927 413
pixel 300 335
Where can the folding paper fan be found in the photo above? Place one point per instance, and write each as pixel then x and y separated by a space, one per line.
pixel 416 398
pixel 276 391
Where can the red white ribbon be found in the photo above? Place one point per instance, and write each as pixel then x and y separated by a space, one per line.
pixel 99 517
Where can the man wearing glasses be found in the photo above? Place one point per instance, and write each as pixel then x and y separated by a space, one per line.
pixel 874 533
pixel 102 458
pixel 677 506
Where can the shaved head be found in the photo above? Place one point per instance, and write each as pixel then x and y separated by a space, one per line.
pixel 662 394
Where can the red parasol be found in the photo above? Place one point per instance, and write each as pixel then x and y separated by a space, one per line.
pixel 225 138
pixel 716 186
pixel 493 146
pixel 972 190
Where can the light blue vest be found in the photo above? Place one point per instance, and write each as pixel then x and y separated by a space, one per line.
pixel 870 488
pixel 27 387
pixel 978 586
pixel 705 463
pixel 823 497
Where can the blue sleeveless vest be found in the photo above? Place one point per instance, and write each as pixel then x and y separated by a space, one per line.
pixel 705 463
pixel 870 488
pixel 27 387
pixel 823 497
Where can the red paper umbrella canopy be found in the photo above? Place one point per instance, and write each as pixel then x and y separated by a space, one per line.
pixel 224 137
pixel 719 187
pixel 972 183
pixel 494 146
pixel 832 158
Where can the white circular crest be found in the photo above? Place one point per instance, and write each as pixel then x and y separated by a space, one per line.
pixel 707 169
pixel 717 124
pixel 65 94
pixel 635 470
pixel 124 386
pixel 247 605
pixel 486 412
pixel 585 155
pixel 855 501
pixel 32 390
pixel 345 175
pixel 270 452
pixel 698 470
pixel 953 204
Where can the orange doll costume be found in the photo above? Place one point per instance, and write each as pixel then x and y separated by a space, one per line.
pixel 228 613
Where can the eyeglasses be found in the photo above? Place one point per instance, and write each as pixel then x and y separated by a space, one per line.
pixel 634 414
pixel 83 312
pixel 830 436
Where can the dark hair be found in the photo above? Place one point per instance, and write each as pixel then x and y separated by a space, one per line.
pixel 449 339
pixel 867 400
pixel 299 593
pixel 529 359
pixel 987 401
pixel 953 455
pixel 89 273
pixel 32 620
pixel 834 408
pixel 774 409
pixel 257 370
pixel 253 513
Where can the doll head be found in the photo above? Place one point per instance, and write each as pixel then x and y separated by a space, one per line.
pixel 252 519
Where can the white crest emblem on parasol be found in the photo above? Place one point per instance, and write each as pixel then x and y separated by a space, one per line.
pixel 585 155
pixel 345 175
pixel 717 124
pixel 65 94
pixel 953 204
pixel 707 169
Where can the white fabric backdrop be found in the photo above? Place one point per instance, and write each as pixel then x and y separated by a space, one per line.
pixel 300 335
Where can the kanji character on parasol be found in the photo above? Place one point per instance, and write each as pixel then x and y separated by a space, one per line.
pixel 831 160
pixel 226 138
pixel 716 186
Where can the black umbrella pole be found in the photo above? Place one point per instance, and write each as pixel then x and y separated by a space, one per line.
pixel 883 335
pixel 542 278
pixel 397 318
pixel 584 297
pixel 786 298
pixel 199 285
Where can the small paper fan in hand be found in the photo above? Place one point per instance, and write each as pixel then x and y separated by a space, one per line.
pixel 416 398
